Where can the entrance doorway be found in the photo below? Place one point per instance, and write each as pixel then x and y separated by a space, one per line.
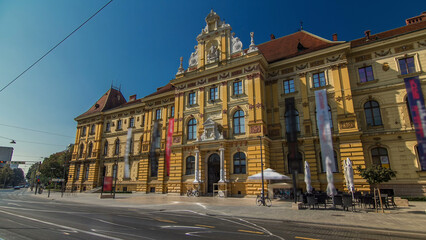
pixel 213 169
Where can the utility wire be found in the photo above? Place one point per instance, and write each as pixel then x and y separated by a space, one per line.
pixel 32 142
pixel 34 130
pixel 75 30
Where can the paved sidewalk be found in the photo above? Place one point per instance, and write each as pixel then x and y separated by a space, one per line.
pixel 410 219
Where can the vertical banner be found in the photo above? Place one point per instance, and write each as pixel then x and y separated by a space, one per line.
pixel 155 143
pixel 418 113
pixel 169 144
pixel 323 121
pixel 107 184
pixel 126 154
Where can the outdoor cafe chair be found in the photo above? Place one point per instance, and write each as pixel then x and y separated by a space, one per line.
pixel 338 200
pixel 311 201
pixel 322 199
pixel 347 202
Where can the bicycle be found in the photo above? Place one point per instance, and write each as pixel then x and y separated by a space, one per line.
pixel 193 193
pixel 266 201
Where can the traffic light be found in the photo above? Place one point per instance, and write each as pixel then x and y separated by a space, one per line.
pixel 2 161
pixel 38 180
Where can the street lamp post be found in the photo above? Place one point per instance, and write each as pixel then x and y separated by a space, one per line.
pixel 261 171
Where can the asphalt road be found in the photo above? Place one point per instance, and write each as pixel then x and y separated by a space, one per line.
pixel 23 216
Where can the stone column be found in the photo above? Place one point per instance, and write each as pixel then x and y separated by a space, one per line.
pixel 197 163
pixel 222 165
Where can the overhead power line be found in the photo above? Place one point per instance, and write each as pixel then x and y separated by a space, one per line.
pixel 34 130
pixel 32 142
pixel 53 48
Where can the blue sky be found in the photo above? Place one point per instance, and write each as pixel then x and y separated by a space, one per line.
pixel 136 44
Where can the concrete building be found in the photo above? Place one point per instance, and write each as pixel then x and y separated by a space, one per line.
pixel 234 105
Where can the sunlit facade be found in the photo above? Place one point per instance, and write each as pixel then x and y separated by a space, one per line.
pixel 232 105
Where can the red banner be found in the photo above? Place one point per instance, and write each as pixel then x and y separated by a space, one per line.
pixel 169 144
pixel 107 184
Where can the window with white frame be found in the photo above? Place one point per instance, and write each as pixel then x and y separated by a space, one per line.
pixel 288 86
pixel 214 94
pixel 407 65
pixel 191 98
pixel 318 79
pixel 158 114
pixel 119 125
pixel 238 87
pixel 131 122
pixel 365 74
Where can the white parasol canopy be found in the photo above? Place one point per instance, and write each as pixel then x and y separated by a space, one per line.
pixel 308 178
pixel 269 174
pixel 349 175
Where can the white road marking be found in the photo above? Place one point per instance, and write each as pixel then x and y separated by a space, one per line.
pixel 14 204
pixel 100 220
pixel 200 204
pixel 61 226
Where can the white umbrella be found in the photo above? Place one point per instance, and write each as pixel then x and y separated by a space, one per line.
pixel 308 178
pixel 269 174
pixel 350 175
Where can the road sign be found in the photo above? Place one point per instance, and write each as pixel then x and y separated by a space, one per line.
pixel 58 180
pixel 17 162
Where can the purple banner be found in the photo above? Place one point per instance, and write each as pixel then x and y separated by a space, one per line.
pixel 418 113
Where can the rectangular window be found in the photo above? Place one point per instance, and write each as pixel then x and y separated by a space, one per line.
pixel 318 79
pixel 143 121
pixel 191 98
pixel 406 65
pixel 83 132
pixel 288 86
pixel 158 114
pixel 92 129
pixel 238 88
pixel 119 125
pixel 131 122
pixel 77 173
pixel 172 111
pixel 86 174
pixel 365 74
pixel 108 127
pixel 213 94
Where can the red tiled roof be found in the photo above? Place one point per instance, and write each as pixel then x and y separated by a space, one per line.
pixel 287 46
pixel 388 34
pixel 166 88
pixel 111 99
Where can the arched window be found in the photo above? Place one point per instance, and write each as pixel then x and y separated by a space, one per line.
pixel 409 110
pixel 89 152
pixel 372 113
pixel 117 147
pixel 289 123
pixel 190 165
pixel 379 155
pixel 192 129
pixel 239 126
pixel 81 150
pixel 334 166
pixel 295 163
pixel 106 148
pixel 239 163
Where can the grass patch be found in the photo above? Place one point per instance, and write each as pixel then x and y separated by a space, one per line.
pixel 423 199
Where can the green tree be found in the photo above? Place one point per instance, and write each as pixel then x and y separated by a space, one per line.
pixel 18 177
pixel 376 174
pixel 6 175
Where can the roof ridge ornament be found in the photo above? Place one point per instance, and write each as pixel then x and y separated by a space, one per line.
pixel 180 69
pixel 252 47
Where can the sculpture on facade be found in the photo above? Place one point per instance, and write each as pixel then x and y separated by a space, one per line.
pixel 213 54
pixel 252 47
pixel 193 60
pixel 236 44
pixel 211 131
pixel 180 69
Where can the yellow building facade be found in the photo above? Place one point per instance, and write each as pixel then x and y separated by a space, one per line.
pixel 232 106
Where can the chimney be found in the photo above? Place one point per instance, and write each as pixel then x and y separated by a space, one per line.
pixel 367 34
pixel 132 98
pixel 272 36
pixel 335 37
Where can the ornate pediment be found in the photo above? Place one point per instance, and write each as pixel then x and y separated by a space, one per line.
pixel 211 131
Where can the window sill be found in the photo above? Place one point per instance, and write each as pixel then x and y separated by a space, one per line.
pixel 375 127
pixel 368 82
pixel 289 94
pixel 414 74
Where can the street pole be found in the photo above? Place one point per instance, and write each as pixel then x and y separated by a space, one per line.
pixel 115 177
pixel 261 171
